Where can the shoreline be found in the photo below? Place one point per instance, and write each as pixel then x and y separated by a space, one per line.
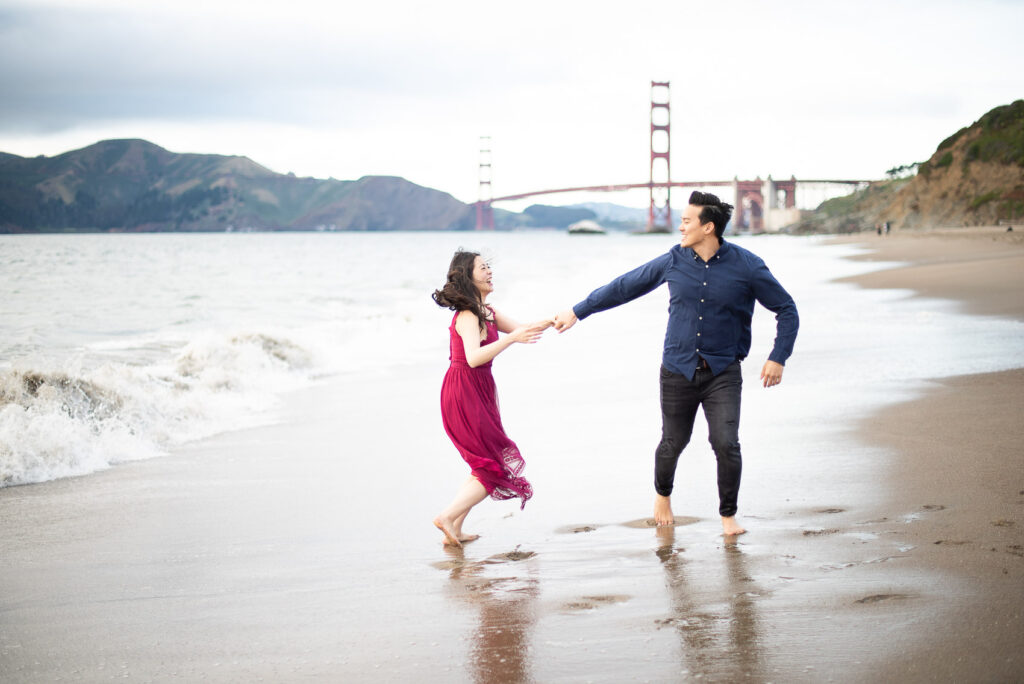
pixel 958 456
pixel 982 269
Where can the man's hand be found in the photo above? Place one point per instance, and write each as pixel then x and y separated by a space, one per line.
pixel 565 320
pixel 771 373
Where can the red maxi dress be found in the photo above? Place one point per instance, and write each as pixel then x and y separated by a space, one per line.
pixel 469 410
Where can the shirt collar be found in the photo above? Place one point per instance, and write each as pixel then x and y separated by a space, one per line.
pixel 723 249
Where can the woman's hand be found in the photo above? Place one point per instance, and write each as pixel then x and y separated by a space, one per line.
pixel 529 334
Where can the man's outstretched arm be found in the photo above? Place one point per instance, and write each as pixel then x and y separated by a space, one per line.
pixel 625 288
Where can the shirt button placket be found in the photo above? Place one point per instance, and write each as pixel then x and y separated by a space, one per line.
pixel 700 308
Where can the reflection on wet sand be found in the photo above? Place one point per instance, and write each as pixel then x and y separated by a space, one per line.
pixel 507 611
pixel 717 624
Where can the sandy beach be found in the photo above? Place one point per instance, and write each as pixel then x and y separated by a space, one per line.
pixel 303 550
pixel 959 450
pixel 980 268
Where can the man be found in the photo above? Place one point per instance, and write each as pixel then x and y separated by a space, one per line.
pixel 712 287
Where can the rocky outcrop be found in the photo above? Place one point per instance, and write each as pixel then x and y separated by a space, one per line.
pixel 975 177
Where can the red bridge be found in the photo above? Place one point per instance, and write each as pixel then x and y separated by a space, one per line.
pixel 750 195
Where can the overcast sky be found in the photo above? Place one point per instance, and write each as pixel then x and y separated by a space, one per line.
pixel 402 87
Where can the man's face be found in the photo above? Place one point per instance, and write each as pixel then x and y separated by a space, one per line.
pixel 691 229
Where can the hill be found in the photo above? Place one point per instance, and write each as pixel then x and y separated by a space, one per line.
pixel 134 185
pixel 975 177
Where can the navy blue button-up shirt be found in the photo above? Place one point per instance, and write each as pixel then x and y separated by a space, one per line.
pixel 710 305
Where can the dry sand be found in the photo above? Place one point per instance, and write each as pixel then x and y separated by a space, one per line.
pixel 961 448
pixel 303 551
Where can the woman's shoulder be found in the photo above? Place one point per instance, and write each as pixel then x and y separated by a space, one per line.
pixel 465 317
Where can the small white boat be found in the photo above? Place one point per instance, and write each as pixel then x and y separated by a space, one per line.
pixel 586 227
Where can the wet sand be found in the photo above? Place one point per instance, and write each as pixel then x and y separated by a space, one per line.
pixel 959 448
pixel 303 551
pixel 980 268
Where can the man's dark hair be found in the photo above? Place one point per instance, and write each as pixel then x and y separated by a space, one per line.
pixel 712 210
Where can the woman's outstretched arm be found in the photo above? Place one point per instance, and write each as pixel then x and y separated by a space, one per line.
pixel 507 325
pixel 468 327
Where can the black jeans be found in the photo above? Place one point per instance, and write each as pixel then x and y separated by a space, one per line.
pixel 720 397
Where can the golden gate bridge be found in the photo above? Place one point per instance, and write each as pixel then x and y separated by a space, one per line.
pixel 759 198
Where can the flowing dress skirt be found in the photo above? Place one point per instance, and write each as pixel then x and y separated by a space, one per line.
pixel 469 410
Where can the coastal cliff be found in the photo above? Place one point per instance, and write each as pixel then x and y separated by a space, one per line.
pixel 975 177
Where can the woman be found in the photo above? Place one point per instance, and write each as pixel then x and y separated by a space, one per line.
pixel 469 399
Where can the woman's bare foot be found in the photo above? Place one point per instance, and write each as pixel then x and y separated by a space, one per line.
pixel 468 537
pixel 446 527
pixel 730 527
pixel 663 511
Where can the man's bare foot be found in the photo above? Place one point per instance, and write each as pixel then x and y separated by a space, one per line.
pixel 468 537
pixel 663 511
pixel 730 527
pixel 445 527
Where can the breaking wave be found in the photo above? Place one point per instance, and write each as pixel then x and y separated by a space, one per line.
pixel 72 419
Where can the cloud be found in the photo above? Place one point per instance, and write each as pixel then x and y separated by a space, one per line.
pixel 79 63
pixel 406 88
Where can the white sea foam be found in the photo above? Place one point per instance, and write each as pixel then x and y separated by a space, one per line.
pixel 71 420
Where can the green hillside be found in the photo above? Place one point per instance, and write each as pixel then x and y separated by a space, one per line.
pixel 975 177
pixel 134 185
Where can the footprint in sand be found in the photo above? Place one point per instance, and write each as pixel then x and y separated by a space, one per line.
pixel 512 556
pixel 836 566
pixel 877 598
pixel 591 602
pixel 831 510
pixel 933 507
pixel 876 521
pixel 576 529
pixel 818 533
pixel 645 523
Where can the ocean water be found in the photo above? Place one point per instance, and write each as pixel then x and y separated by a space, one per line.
pixel 115 348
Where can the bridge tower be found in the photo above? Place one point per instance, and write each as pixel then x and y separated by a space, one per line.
pixel 659 215
pixel 484 210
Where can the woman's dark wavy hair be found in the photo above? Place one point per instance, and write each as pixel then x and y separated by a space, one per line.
pixel 459 293
pixel 712 210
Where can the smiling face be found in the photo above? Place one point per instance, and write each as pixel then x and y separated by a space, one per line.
pixel 694 233
pixel 482 277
